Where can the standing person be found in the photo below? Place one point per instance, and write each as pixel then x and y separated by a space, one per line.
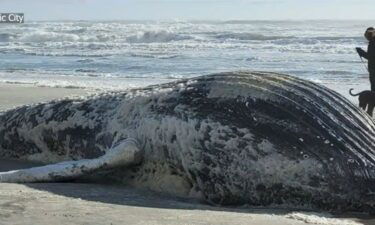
pixel 369 55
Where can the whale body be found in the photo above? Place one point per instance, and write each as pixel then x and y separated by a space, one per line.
pixel 235 138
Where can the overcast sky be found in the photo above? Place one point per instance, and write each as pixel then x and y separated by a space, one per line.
pixel 190 9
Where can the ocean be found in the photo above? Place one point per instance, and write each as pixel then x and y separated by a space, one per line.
pixel 116 55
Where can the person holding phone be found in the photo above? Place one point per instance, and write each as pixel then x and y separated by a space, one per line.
pixel 369 55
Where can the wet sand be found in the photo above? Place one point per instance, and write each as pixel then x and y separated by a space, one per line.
pixel 13 95
pixel 90 203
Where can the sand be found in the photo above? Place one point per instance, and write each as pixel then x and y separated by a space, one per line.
pixel 13 95
pixel 90 203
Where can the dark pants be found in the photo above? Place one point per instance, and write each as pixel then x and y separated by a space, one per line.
pixel 372 81
pixel 372 78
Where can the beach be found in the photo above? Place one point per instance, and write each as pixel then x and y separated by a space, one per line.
pixel 78 203
pixel 42 61
pixel 93 203
pixel 13 95
pixel 187 112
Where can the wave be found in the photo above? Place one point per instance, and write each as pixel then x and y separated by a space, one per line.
pixel 13 70
pixel 77 31
pixel 260 22
pixel 63 54
pixel 81 35
pixel 36 84
pixel 335 38
pixel 156 36
pixel 338 72
pixel 6 37
pixel 85 61
pixel 153 56
pixel 250 37
pixel 42 36
pixel 88 82
pixel 86 71
pixel 286 39
pixel 47 36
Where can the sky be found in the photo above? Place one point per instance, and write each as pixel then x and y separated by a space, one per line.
pixel 191 9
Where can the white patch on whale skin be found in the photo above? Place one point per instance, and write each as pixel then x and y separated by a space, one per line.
pixel 185 151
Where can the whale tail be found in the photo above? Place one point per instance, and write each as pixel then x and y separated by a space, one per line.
pixel 350 92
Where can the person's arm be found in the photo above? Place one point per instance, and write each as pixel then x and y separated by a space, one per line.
pixel 362 53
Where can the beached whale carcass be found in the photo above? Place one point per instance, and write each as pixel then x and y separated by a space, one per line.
pixel 231 138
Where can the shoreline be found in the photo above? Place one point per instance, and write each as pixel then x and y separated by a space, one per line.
pixel 15 95
pixel 18 94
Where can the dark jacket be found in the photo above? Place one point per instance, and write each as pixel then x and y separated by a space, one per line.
pixel 370 56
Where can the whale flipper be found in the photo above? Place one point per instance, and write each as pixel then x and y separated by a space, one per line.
pixel 124 153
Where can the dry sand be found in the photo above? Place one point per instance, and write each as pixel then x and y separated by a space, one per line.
pixel 85 203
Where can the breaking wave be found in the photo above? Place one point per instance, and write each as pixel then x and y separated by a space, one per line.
pixel 156 36
pixel 179 49
pixel 250 37
pixel 46 36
